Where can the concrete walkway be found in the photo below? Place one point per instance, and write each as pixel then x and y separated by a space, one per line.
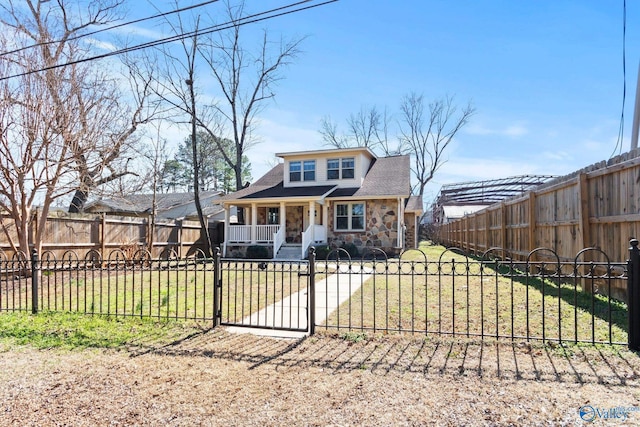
pixel 291 312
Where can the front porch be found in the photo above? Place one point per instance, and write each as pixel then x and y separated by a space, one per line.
pixel 294 225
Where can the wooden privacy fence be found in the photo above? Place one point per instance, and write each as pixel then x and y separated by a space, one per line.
pixel 104 233
pixel 598 206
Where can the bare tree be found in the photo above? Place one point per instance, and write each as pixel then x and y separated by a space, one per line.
pixel 246 80
pixel 64 128
pixel 426 134
pixel 367 128
pixel 34 147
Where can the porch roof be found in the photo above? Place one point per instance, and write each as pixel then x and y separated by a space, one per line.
pixel 280 191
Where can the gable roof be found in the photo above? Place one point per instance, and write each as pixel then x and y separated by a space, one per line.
pixel 169 205
pixel 386 177
pixel 414 204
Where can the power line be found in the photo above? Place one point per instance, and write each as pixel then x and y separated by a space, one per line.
pixel 619 141
pixel 250 19
pixel 124 24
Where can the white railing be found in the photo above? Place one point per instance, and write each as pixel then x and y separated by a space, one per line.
pixel 278 240
pixel 320 234
pixel 307 239
pixel 239 234
pixel 264 233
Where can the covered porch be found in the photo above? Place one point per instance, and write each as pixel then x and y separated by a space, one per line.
pixel 295 224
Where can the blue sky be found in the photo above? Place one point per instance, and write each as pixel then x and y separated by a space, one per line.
pixel 545 77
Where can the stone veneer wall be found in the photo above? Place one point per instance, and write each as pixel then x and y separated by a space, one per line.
pixel 410 236
pixel 381 229
pixel 294 224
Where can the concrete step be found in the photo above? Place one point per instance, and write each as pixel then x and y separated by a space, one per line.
pixel 289 252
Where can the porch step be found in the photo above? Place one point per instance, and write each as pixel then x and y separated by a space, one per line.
pixel 289 251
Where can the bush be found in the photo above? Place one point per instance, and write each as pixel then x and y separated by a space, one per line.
pixel 322 251
pixel 351 249
pixel 257 252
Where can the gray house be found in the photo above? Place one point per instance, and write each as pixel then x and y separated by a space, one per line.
pixel 170 206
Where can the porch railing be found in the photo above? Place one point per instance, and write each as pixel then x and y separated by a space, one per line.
pixel 242 233
pixel 239 234
pixel 278 240
pixel 264 233
pixel 307 239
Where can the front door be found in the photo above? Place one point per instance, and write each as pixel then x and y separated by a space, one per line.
pixel 317 218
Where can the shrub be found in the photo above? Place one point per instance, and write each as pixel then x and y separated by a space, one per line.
pixel 257 252
pixel 351 249
pixel 322 251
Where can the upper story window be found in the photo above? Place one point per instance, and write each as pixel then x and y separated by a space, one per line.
pixel 333 169
pixel 341 168
pixel 309 170
pixel 294 171
pixel 348 168
pixel 302 171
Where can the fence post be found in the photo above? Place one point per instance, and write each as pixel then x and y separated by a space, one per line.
pixel 312 290
pixel 217 285
pixel 633 295
pixel 34 281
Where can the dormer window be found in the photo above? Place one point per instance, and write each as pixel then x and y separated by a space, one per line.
pixel 309 170
pixel 294 171
pixel 302 171
pixel 341 168
pixel 348 168
pixel 333 169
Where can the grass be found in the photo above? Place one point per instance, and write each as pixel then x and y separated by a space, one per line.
pixel 166 291
pixel 77 331
pixel 460 297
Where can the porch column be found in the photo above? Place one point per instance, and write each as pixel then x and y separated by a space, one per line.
pixel 283 219
pixel 227 219
pixel 400 220
pixel 325 215
pixel 312 213
pixel 254 222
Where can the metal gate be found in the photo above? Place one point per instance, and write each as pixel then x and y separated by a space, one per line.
pixel 266 294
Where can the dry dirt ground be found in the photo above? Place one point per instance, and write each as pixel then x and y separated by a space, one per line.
pixel 217 378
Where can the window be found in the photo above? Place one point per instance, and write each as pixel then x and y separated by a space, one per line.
pixel 349 216
pixel 294 171
pixel 273 216
pixel 341 168
pixel 309 170
pixel 333 169
pixel 348 168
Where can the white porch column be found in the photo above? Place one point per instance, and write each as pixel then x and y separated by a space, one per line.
pixel 254 222
pixel 283 218
pixel 312 212
pixel 325 216
pixel 227 220
pixel 400 221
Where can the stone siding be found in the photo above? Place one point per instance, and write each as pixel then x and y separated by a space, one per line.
pixel 294 224
pixel 381 227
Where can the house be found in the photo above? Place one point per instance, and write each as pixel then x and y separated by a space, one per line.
pixel 168 206
pixel 333 197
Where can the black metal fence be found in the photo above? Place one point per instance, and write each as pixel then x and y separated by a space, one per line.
pixel 117 286
pixel 541 298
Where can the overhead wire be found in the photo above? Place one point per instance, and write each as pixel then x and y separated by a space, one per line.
pixel 619 141
pixel 123 24
pixel 249 19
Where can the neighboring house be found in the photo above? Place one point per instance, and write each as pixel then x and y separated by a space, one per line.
pixel 332 197
pixel 168 206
